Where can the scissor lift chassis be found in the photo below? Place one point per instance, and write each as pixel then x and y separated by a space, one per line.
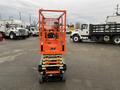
pixel 52 66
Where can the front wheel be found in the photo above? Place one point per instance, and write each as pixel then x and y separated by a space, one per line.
pixel 12 36
pixel 116 40
pixel 76 38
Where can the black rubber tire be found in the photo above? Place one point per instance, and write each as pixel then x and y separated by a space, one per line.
pixel 12 35
pixel 76 38
pixel 106 38
pixel 116 40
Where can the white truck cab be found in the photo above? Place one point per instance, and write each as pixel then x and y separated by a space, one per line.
pixel 13 29
pixel 13 32
pixel 80 34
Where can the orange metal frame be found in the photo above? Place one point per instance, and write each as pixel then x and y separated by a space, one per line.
pixel 56 44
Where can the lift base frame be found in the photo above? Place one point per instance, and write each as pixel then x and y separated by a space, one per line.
pixel 52 66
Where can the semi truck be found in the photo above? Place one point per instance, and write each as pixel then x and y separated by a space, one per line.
pixel 52 33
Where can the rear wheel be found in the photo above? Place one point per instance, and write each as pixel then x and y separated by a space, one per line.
pixel 76 38
pixel 116 40
pixel 106 38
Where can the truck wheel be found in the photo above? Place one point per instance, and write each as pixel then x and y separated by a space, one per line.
pixel 116 40
pixel 106 38
pixel 12 35
pixel 76 38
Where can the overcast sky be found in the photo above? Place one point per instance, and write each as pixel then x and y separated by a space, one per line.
pixel 77 10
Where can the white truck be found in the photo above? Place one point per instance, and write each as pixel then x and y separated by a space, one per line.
pixel 13 29
pixel 14 32
pixel 98 32
pixel 34 31
pixel 108 32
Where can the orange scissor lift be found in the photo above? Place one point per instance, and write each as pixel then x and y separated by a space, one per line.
pixel 52 33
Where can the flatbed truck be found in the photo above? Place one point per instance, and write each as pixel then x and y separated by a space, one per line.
pixel 97 32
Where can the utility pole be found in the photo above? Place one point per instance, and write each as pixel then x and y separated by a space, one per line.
pixel 30 19
pixel 20 16
pixel 117 10
pixel 0 16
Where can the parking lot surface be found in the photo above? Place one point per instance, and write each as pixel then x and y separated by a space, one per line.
pixel 91 66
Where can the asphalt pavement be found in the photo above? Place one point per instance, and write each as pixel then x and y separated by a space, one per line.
pixel 90 66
